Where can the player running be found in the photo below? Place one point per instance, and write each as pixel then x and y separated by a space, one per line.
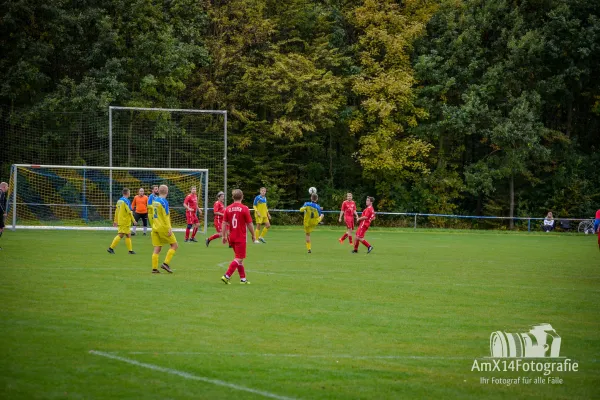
pixel 123 219
pixel 312 216
pixel 218 210
pixel 261 215
pixel 139 205
pixel 191 205
pixel 150 200
pixel 368 215
pixel 162 234
pixel 349 212
pixel 236 219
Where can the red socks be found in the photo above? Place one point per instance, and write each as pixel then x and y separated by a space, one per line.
pixel 232 267
pixel 344 237
pixel 194 232
pixel 213 237
pixel 187 233
pixel 367 245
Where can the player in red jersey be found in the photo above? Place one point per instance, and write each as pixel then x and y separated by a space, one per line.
pixel 191 214
pixel 236 219
pixel 218 210
pixel 368 215
pixel 349 213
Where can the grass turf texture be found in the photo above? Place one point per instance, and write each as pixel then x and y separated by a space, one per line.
pixel 406 321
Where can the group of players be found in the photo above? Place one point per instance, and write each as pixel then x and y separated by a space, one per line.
pixel 231 223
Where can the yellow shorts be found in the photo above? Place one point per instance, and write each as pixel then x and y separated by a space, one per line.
pixel 126 229
pixel 161 239
pixel 261 221
pixel 309 228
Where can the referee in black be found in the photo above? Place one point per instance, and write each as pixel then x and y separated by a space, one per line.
pixel 3 205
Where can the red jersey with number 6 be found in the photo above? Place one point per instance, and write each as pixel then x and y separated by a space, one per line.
pixel 237 216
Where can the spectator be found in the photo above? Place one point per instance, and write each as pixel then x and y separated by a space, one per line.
pixel 548 223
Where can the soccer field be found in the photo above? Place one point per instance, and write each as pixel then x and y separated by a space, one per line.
pixel 406 321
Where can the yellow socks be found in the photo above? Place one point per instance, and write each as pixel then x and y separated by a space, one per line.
pixel 169 256
pixel 307 245
pixel 115 242
pixel 128 244
pixel 256 233
pixel 154 261
pixel 264 232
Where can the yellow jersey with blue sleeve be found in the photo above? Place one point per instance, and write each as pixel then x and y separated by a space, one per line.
pixel 150 209
pixel 260 207
pixel 123 215
pixel 161 223
pixel 312 215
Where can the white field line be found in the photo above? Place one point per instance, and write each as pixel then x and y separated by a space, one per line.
pixel 189 376
pixel 290 355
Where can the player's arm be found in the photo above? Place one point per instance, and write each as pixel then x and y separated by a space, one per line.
pixel 130 215
pixel 185 204
pixel 250 227
pixel 224 229
pixel 341 213
pixel 321 215
pixel 249 224
pixel 116 218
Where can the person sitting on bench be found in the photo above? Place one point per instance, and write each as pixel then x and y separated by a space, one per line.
pixel 548 223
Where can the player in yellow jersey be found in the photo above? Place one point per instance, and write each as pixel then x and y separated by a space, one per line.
pixel 150 200
pixel 162 234
pixel 123 219
pixel 261 215
pixel 312 217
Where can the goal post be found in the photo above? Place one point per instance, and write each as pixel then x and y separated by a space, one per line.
pixel 84 197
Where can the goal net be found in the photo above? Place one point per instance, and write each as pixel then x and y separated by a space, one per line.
pixel 75 197
pixel 170 138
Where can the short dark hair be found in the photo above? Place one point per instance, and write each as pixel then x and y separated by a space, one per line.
pixel 125 190
pixel 314 197
pixel 371 199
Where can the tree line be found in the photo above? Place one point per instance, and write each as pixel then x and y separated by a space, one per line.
pixel 453 106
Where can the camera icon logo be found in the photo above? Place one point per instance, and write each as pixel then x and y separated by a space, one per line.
pixel 541 341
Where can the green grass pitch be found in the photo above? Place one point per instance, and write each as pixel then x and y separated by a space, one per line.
pixel 406 321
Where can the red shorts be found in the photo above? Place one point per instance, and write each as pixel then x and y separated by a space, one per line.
pixel 191 217
pixel 218 225
pixel 239 249
pixel 362 230
pixel 349 223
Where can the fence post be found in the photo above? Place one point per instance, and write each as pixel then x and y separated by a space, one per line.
pixel 528 224
pixel 416 221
